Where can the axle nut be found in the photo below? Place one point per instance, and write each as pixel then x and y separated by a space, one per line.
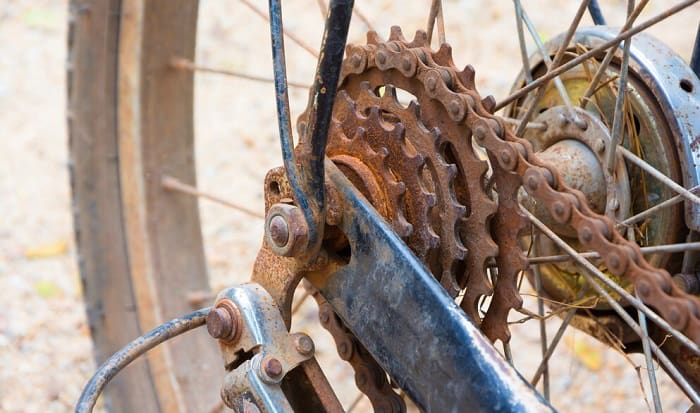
pixel 286 232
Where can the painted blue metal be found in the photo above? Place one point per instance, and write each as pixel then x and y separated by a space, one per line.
pixel 306 175
pixel 412 327
pixel 596 13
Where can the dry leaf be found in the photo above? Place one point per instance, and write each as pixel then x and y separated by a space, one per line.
pixel 587 354
pixel 48 250
pixel 47 289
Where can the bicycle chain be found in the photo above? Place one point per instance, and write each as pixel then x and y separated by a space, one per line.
pixel 514 165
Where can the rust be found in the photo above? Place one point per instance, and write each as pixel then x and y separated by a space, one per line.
pixel 272 367
pixel 224 322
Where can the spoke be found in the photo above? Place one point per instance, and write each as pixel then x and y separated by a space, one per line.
pixel 291 35
pixel 616 138
pixel 530 125
pixel 553 345
pixel 173 184
pixel 436 14
pixel 608 282
pixel 545 55
pixel 658 175
pixel 552 66
pixel 656 208
pixel 593 52
pixel 672 370
pixel 650 362
pixel 543 331
pixel 186 64
pixel 669 248
pixel 592 87
pixel 521 41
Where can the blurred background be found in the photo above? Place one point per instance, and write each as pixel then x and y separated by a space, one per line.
pixel 45 348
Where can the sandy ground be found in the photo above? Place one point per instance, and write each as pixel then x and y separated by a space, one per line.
pixel 45 350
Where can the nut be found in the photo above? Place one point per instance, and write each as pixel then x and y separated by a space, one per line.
pixel 304 345
pixel 286 231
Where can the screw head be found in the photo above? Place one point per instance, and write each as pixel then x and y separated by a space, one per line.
pixel 224 322
pixel 272 367
pixel 219 323
pixel 304 344
pixel 381 58
pixel 279 230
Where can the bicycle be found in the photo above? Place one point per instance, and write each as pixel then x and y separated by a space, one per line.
pixel 416 166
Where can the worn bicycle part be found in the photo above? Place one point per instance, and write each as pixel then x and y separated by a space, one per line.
pixel 130 122
pixel 653 131
pixel 261 354
pixel 383 65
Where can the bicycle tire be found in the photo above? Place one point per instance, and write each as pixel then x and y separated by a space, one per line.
pixel 129 120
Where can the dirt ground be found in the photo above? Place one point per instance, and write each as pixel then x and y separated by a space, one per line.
pixel 45 349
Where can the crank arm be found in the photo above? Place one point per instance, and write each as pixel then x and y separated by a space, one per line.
pixel 411 326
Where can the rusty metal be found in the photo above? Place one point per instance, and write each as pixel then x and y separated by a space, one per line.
pixel 369 376
pixel 224 321
pixel 593 52
pixel 439 87
pixel 286 230
pixel 272 367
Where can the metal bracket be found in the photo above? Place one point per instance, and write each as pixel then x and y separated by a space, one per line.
pixel 254 384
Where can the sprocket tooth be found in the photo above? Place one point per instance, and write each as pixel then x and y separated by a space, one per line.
pixel 443 56
pixel 489 103
pixel 373 38
pixel 447 282
pixel 431 199
pixel 396 34
pixel 420 39
pixel 402 227
pixel 366 87
pixel 467 77
pixel 414 108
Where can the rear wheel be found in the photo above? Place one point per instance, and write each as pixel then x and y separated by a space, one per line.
pixel 140 248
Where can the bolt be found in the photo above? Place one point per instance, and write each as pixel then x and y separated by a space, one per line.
pixel 304 345
pixel 582 124
pixel 286 231
pixel 381 58
pixel 272 367
pixel 279 230
pixel 223 322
